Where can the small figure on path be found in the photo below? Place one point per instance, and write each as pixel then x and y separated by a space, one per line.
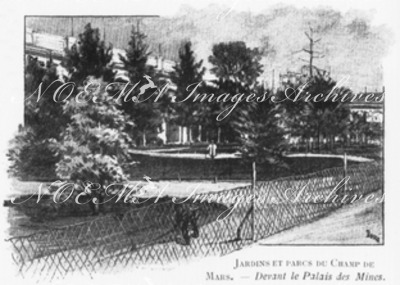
pixel 186 221
pixel 212 149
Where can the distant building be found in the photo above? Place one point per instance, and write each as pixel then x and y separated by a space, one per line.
pixel 372 110
pixel 43 46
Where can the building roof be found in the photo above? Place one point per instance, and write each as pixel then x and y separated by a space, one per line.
pixel 368 100
pixel 44 45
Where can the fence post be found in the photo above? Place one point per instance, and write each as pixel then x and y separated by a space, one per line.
pixel 345 169
pixel 253 187
pixel 253 175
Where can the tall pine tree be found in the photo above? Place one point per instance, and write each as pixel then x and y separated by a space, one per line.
pixel 187 72
pixel 237 68
pixel 262 134
pixel 90 56
pixel 145 115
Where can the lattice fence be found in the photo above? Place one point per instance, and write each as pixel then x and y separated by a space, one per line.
pixel 208 224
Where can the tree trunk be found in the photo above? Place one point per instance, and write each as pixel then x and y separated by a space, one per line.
pixel 144 138
pixel 190 134
pixel 184 135
pixel 200 130
pixel 180 134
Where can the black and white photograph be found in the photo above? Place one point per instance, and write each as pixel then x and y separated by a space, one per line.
pixel 194 143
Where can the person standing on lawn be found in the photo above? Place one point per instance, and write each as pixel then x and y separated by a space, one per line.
pixel 212 149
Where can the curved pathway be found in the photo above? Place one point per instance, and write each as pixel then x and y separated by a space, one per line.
pixel 165 153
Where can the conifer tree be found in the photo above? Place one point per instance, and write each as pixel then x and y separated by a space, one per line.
pixel 145 115
pixel 262 134
pixel 237 68
pixel 90 56
pixel 187 72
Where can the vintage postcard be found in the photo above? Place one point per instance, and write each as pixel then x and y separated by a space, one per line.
pixel 185 142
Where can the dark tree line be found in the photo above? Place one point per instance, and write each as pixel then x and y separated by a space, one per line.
pixel 72 138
